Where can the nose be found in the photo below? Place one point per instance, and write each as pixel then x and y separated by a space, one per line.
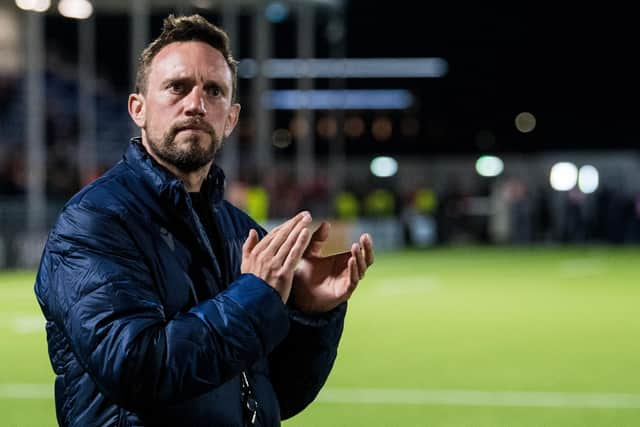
pixel 194 102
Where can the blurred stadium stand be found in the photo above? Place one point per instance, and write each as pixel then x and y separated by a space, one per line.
pixel 280 160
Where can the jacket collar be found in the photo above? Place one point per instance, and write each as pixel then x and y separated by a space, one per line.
pixel 165 183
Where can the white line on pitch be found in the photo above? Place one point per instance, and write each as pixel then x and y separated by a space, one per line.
pixel 417 397
pixel 26 391
pixel 480 398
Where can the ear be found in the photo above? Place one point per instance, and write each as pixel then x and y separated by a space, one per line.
pixel 137 109
pixel 232 119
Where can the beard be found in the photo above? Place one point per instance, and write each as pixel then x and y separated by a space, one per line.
pixel 196 154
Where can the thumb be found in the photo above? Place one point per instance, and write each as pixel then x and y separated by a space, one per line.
pixel 250 243
pixel 318 239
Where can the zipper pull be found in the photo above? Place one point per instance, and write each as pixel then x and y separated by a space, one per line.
pixel 250 404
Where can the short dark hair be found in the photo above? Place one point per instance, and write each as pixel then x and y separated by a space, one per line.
pixel 181 29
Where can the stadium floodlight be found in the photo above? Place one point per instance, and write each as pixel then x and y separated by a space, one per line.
pixel 489 166
pixel 320 99
pixel 384 167
pixel 347 68
pixel 34 5
pixel 563 176
pixel 588 179
pixel 76 9
pixel 276 12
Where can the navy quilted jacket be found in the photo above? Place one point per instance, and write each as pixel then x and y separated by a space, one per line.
pixel 131 341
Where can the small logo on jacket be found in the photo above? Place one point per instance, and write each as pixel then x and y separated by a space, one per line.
pixel 168 238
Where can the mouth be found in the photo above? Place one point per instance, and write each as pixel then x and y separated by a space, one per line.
pixel 195 126
pixel 192 130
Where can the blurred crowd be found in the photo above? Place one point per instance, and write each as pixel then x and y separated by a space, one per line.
pixel 61 130
pixel 504 210
pixel 508 211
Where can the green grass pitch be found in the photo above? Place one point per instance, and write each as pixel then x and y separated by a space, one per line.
pixel 469 336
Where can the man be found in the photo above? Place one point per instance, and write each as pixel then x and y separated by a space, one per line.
pixel 165 305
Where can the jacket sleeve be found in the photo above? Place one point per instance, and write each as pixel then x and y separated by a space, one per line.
pixel 97 289
pixel 301 364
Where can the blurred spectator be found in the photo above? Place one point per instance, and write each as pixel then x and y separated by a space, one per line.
pixel 347 206
pixel 499 222
pixel 425 201
pixel 520 216
pixel 12 177
pixel 283 187
pixel 511 211
pixel 315 196
pixel 541 216
pixel 257 203
pixel 576 224
pixel 418 217
pixel 633 229
pixel 236 194
pixel 612 215
pixel 380 203
pixel 252 197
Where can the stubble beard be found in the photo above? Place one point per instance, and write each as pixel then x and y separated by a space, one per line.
pixel 193 153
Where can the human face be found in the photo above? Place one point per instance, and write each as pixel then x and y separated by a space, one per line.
pixel 186 110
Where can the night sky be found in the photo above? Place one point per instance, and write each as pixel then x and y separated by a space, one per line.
pixel 574 69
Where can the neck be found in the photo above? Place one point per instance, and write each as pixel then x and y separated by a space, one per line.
pixel 192 180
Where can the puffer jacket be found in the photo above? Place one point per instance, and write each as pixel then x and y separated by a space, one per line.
pixel 142 327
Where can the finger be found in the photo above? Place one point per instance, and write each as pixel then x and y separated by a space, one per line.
pixel 287 223
pixel 353 273
pixel 250 243
pixel 291 239
pixel 295 254
pixel 247 247
pixel 367 245
pixel 356 251
pixel 319 237
pixel 279 234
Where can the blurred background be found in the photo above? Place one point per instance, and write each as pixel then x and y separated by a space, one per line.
pixel 492 152
pixel 436 126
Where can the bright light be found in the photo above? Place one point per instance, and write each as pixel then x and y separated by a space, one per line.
pixel 588 179
pixel 525 122
pixel 347 99
pixel 248 68
pixel 489 166
pixel 564 176
pixel 41 5
pixel 384 167
pixel 34 5
pixel 25 4
pixel 76 9
pixel 276 12
pixel 353 68
pixel 381 128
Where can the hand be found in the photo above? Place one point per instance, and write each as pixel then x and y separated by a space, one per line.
pixel 274 258
pixel 323 283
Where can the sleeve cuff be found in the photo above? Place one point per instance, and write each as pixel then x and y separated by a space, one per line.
pixel 316 320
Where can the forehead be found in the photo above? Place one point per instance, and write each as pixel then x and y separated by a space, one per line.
pixel 192 59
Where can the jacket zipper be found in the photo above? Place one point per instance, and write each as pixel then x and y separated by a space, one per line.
pixel 249 403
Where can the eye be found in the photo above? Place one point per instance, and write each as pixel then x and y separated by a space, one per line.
pixel 214 91
pixel 177 87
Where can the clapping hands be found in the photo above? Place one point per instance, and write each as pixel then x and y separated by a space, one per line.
pixel 289 259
